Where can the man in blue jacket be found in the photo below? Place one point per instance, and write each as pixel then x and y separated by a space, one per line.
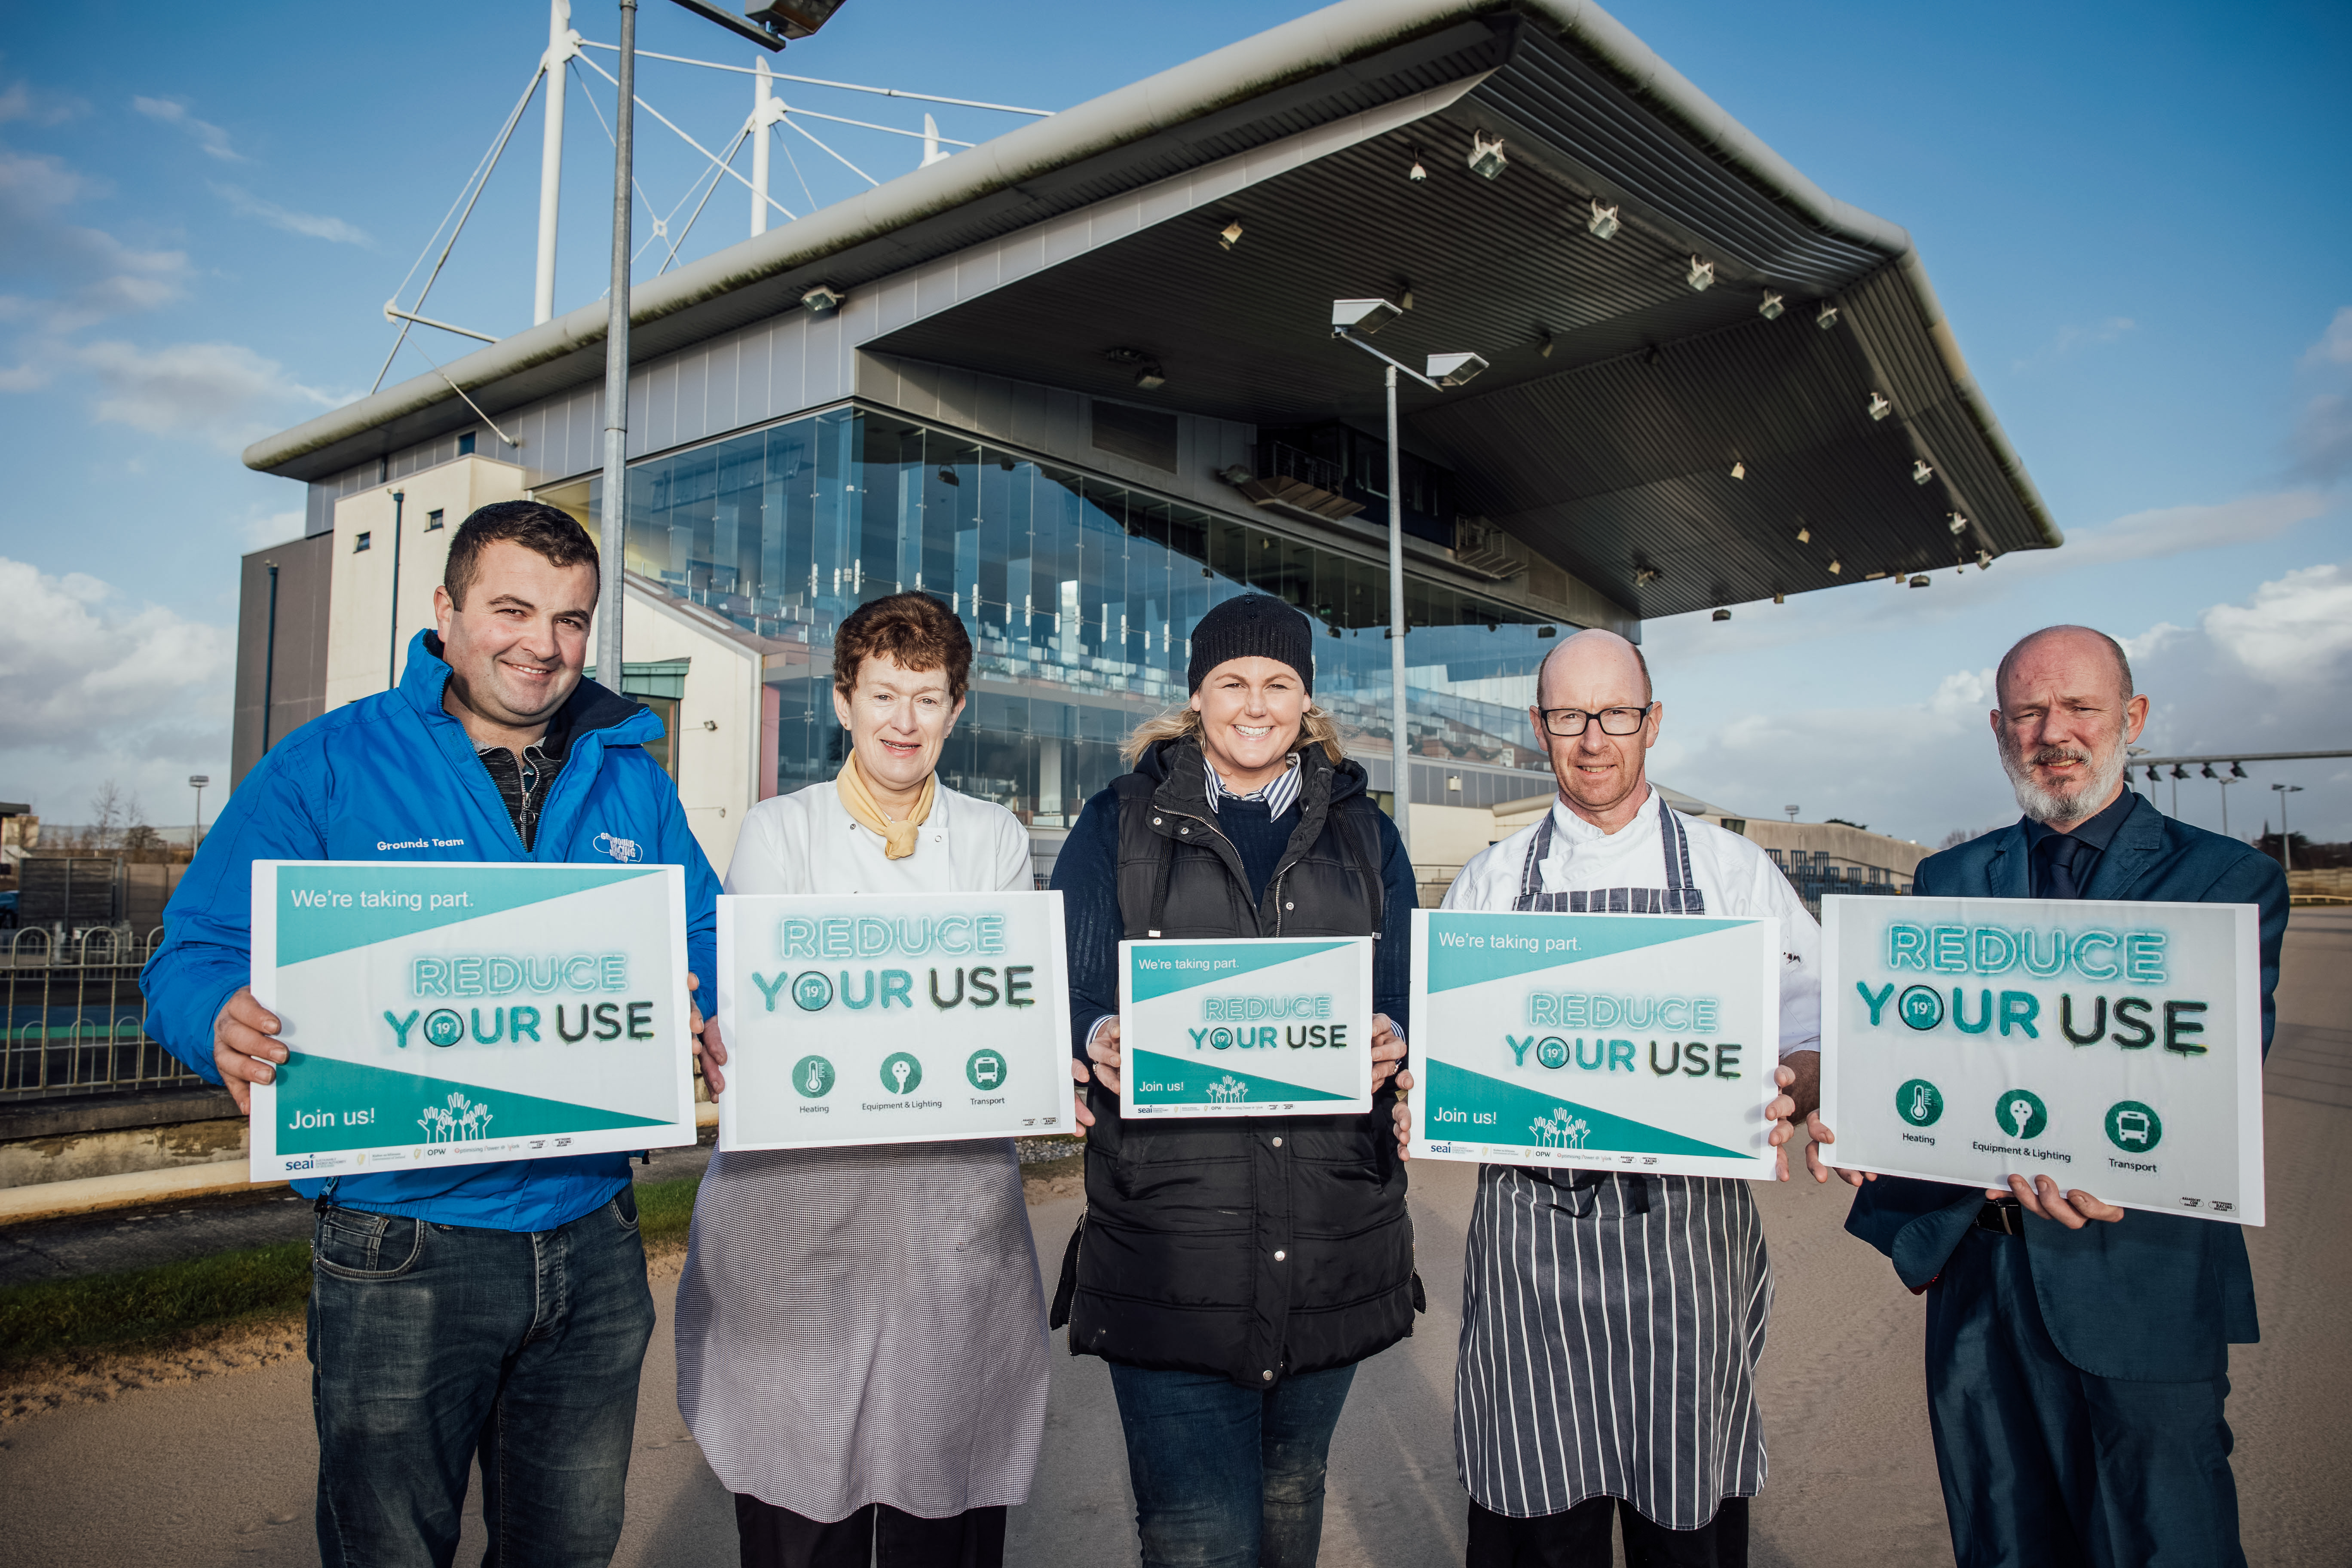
pixel 2078 1356
pixel 499 1309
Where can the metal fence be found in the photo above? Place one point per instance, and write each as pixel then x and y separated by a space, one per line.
pixel 76 1019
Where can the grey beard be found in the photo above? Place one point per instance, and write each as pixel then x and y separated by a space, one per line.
pixel 2047 805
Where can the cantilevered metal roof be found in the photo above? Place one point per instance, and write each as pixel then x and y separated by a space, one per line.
pixel 1612 453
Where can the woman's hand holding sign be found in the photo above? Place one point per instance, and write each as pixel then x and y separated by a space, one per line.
pixel 709 1050
pixel 1102 1050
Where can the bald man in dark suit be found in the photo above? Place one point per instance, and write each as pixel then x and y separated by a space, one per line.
pixel 2078 1356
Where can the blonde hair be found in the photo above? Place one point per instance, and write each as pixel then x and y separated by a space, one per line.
pixel 1316 728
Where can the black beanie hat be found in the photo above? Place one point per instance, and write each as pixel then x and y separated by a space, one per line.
pixel 1255 626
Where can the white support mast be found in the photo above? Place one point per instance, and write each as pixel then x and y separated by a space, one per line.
pixel 766 110
pixel 562 43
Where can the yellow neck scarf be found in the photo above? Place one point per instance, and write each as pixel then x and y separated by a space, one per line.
pixel 898 837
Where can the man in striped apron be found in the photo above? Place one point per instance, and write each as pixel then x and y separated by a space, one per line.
pixel 1610 1324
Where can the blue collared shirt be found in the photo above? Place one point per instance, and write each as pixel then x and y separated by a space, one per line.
pixel 1279 796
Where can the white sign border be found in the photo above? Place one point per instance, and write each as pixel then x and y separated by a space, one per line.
pixel 2252 1202
pixel 1057 1005
pixel 1761 1166
pixel 1361 1105
pixel 264 1164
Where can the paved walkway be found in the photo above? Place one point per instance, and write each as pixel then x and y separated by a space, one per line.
pixel 220 1472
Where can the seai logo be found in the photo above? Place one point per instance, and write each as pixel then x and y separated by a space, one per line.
pixel 624 850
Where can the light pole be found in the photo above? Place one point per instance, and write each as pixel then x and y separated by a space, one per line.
pixel 197 782
pixel 392 659
pixel 2286 845
pixel 613 521
pixel 2225 784
pixel 1355 321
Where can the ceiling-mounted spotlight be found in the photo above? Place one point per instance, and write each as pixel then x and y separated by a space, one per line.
pixel 1879 407
pixel 1486 157
pixel 1151 378
pixel 1984 560
pixel 1771 307
pixel 1701 277
pixel 1780 598
pixel 1543 344
pixel 1959 525
pixel 2207 772
pixel 1828 318
pixel 1417 175
pixel 1004 461
pixel 1453 370
pixel 2237 771
pixel 947 476
pixel 1365 316
pixel 2154 773
pixel 1231 234
pixel 1738 469
pixel 1920 580
pixel 1920 472
pixel 1643 575
pixel 1722 614
pixel 1836 567
pixel 822 301
pixel 1404 301
pixel 1603 222
pixel 1804 536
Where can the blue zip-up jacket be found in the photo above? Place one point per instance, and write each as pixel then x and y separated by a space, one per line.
pixel 394 777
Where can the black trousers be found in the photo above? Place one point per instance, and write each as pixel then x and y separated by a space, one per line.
pixel 876 1534
pixel 1579 1538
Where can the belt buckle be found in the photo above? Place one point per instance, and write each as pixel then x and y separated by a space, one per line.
pixel 2008 1219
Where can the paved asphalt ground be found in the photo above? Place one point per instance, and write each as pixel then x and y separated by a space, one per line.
pixel 220 1471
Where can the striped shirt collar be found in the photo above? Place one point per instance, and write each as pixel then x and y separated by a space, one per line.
pixel 1279 796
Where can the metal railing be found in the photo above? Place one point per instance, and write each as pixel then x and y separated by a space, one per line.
pixel 75 1020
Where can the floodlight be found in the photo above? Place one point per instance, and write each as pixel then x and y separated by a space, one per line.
pixel 1603 221
pixel 1486 157
pixel 1771 307
pixel 1836 567
pixel 822 301
pixel 1738 469
pixel 1722 614
pixel 1959 524
pixel 1804 536
pixel 1418 173
pixel 1151 378
pixel 1701 277
pixel 1645 575
pixel 1365 316
pixel 2237 770
pixel 1543 344
pixel 1984 560
pixel 1454 369
pixel 1920 472
pixel 947 476
pixel 1828 318
pixel 1879 407
pixel 1780 598
pixel 2207 772
pixel 2178 771
pixel 1231 234
pixel 1920 580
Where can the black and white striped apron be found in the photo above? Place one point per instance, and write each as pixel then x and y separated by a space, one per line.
pixel 1610 1324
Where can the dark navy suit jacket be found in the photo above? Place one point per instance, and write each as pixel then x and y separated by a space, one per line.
pixel 2153 1298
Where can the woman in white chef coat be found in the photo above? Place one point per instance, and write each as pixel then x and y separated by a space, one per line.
pixel 861 1334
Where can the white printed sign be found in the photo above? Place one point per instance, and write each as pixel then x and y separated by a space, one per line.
pixel 1253 1026
pixel 1642 1043
pixel 910 1018
pixel 449 1013
pixel 2114 1046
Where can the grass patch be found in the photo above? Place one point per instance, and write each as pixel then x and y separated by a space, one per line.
pixel 101 1312
pixel 147 1307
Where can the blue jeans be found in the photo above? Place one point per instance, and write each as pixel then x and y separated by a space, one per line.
pixel 432 1344
pixel 1227 1477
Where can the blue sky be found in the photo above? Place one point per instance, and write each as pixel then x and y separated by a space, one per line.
pixel 2136 217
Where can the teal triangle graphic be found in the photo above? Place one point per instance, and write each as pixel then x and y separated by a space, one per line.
pixel 1188 963
pixel 308 929
pixel 406 1108
pixel 1175 1081
pixel 1517 1109
pixel 1515 943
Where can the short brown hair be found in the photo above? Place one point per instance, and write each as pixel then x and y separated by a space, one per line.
pixel 535 525
pixel 914 630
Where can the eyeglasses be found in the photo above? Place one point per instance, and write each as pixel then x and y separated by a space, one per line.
pixel 1613 720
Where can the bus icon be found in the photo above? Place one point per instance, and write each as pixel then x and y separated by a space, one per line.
pixel 2131 1127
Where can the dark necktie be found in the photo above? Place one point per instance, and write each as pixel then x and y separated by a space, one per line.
pixel 2062 858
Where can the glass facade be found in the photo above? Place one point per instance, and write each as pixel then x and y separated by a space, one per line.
pixel 1079 593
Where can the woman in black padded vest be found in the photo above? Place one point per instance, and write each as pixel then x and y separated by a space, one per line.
pixel 1235 1270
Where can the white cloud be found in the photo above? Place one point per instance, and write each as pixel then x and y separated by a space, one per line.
pixel 1968 691
pixel 261 533
pixel 95 275
pixel 220 392
pixel 245 204
pixel 2335 344
pixel 2295 629
pixel 211 138
pixel 2153 641
pixel 18 102
pixel 2177 530
pixel 84 677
